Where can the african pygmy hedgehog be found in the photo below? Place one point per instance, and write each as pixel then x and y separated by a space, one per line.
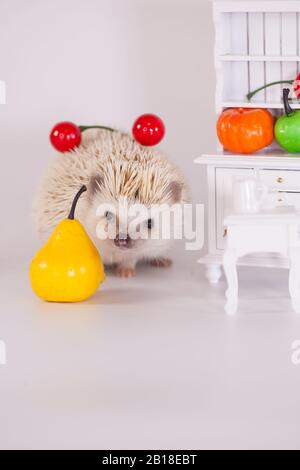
pixel 115 168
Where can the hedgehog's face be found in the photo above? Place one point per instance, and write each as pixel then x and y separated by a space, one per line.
pixel 127 227
pixel 130 228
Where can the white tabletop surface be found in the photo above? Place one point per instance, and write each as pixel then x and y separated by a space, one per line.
pixel 151 362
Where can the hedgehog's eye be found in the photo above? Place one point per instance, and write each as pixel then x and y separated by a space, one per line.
pixel 150 224
pixel 109 215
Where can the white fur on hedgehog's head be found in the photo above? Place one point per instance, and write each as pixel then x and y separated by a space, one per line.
pixel 122 189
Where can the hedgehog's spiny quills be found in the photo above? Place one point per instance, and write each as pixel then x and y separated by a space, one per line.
pixel 126 169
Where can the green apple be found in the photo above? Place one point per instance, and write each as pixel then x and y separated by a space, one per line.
pixel 287 127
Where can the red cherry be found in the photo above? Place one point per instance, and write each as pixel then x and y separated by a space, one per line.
pixel 148 129
pixel 65 136
pixel 296 86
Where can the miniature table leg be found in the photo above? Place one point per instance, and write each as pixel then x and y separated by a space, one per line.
pixel 294 278
pixel 229 264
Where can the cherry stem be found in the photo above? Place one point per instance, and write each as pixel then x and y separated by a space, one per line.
pixel 287 108
pixel 74 204
pixel 252 93
pixel 85 128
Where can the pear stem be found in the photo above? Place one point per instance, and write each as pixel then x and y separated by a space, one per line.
pixel 74 204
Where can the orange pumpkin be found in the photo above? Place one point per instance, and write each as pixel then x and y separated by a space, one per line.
pixel 245 130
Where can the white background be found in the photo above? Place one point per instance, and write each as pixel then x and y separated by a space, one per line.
pixel 151 362
pixel 104 62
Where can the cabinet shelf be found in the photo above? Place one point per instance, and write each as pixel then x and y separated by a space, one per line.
pixel 257 43
pixel 247 104
pixel 265 158
pixel 276 6
pixel 258 58
pixel 255 48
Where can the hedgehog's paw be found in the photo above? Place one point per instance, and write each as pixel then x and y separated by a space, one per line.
pixel 125 271
pixel 161 262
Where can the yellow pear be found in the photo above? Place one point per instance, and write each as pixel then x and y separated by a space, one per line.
pixel 68 268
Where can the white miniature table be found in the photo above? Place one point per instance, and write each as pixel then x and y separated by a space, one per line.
pixel 275 231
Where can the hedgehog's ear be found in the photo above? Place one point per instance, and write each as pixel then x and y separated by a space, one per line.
pixel 95 184
pixel 174 190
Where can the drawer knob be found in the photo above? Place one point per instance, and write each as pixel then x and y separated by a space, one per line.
pixel 279 179
pixel 225 233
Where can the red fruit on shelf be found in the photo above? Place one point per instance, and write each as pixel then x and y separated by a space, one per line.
pixel 148 129
pixel 296 86
pixel 65 136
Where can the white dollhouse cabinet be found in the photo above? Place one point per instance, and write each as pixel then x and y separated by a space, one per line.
pixel 257 42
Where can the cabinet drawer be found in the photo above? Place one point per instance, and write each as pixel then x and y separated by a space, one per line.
pixel 281 179
pixel 292 199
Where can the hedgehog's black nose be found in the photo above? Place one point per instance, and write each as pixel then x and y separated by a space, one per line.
pixel 123 240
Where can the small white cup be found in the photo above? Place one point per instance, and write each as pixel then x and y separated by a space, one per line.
pixel 248 195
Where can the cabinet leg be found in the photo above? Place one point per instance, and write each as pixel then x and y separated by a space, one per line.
pixel 213 273
pixel 229 264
